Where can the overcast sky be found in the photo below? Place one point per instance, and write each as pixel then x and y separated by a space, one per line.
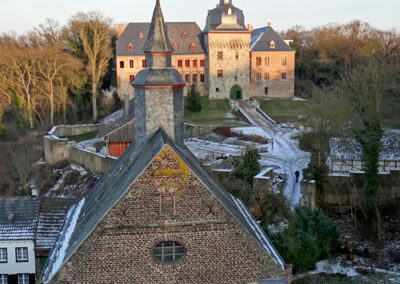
pixel 22 15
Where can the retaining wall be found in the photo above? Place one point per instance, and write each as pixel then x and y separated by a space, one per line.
pixel 92 161
pixel 341 189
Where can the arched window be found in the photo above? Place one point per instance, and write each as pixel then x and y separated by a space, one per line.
pixel 230 11
pixel 272 44
pixel 184 35
pixel 168 252
pixel 175 46
pixel 140 35
pixel 193 46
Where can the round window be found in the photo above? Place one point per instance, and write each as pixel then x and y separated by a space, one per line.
pixel 168 252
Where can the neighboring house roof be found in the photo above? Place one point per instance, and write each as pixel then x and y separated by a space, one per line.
pixel 18 218
pixel 350 149
pixel 83 217
pixel 110 125
pixel 133 30
pixel 261 39
pixel 36 219
pixel 51 217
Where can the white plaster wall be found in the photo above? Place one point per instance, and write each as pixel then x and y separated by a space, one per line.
pixel 14 267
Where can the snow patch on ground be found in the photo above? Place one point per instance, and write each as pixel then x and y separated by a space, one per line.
pixel 334 267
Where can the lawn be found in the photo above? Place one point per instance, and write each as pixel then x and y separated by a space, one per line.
pixel 83 137
pixel 283 110
pixel 214 112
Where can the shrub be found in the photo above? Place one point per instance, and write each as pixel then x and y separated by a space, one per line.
pixel 247 166
pixel 311 236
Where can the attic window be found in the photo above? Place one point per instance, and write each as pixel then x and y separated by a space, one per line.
pixel 140 35
pixel 175 46
pixel 272 44
pixel 230 11
pixel 11 217
pixel 193 46
pixel 184 35
pixel 168 252
pixel 130 47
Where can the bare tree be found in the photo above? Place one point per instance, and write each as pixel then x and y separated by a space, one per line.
pixel 89 38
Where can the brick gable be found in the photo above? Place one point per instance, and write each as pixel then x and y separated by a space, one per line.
pixel 168 202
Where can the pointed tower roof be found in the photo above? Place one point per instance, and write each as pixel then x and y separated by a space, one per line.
pixel 157 40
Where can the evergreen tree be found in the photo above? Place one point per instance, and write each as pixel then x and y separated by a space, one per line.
pixel 247 168
pixel 194 103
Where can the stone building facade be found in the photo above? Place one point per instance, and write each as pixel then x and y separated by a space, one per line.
pixel 221 60
pixel 157 216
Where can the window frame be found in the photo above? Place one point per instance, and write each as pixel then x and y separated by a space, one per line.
pixel 131 78
pixel 4 278
pixel 121 64
pixel 194 79
pixel 131 63
pixel 258 76
pixel 194 62
pixel 193 46
pixel 6 255
pixel 202 62
pixel 202 78
pixel 267 61
pixel 24 275
pixel 220 73
pixel 258 61
pixel 284 60
pixel 266 91
pixel 180 63
pixel 284 76
pixel 187 63
pixel 220 55
pixel 143 63
pixel 130 47
pixel 141 35
pixel 23 249
pixel 187 78
pixel 266 76
pixel 167 249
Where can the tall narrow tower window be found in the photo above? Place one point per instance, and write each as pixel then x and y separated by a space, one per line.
pixel 230 11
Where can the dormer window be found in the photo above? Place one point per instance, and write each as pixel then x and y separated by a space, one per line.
pixel 184 35
pixel 193 46
pixel 141 35
pixel 175 46
pixel 272 44
pixel 130 47
pixel 230 11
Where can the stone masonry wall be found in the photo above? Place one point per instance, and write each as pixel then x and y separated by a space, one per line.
pixel 168 203
pixel 235 63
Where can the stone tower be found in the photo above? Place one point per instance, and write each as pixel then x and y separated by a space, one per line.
pixel 227 42
pixel 159 87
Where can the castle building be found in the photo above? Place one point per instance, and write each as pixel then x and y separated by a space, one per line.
pixel 157 216
pixel 227 60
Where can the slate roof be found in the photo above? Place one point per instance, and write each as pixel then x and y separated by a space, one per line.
pixel 115 121
pixel 36 219
pixel 219 20
pixel 350 149
pixel 157 40
pixel 18 218
pixel 174 31
pixel 50 219
pixel 83 218
pixel 262 37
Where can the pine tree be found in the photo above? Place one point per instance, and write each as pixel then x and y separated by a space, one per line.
pixel 194 103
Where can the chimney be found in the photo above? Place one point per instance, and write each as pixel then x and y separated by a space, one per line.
pixel 269 24
pixel 121 29
pixel 126 104
pixel 250 28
